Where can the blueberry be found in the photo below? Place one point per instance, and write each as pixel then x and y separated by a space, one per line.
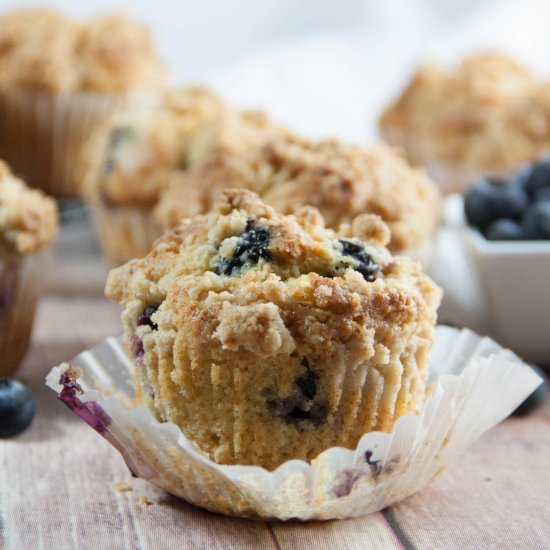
pixel 508 201
pixel 17 407
pixel 478 205
pixel 363 261
pixel 542 195
pixel 504 230
pixel 536 399
pixel 292 409
pixel 536 221
pixel 145 317
pixel 307 384
pixel 538 178
pixel 299 405
pixel 253 246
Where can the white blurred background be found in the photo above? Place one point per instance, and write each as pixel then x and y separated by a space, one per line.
pixel 325 67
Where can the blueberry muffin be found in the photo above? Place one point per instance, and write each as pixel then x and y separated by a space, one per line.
pixel 59 80
pixel 128 163
pixel 342 181
pixel 267 337
pixel 489 115
pixel 28 223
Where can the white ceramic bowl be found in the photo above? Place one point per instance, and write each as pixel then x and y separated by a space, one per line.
pixel 495 287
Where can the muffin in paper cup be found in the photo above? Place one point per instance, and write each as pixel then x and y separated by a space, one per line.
pixel 28 223
pixel 267 337
pixel 476 384
pixel 264 347
pixel 59 81
pixel 488 115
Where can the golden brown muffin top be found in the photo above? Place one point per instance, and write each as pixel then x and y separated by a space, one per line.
pixel 129 161
pixel 28 218
pixel 489 112
pixel 41 49
pixel 341 180
pixel 245 254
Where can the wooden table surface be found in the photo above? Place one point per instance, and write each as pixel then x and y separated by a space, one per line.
pixel 59 480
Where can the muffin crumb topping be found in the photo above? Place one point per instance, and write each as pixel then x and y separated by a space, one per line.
pixel 28 218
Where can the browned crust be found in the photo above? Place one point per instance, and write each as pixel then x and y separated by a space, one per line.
pixel 43 50
pixel 28 218
pixel 341 181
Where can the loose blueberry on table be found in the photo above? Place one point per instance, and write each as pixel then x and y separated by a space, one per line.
pixel 514 209
pixel 17 407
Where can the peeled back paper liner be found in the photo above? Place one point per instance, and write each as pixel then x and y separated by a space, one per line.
pixel 476 385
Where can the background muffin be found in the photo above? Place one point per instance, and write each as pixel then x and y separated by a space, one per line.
pixel 129 161
pixel 342 181
pixel 60 79
pixel 490 114
pixel 267 337
pixel 28 223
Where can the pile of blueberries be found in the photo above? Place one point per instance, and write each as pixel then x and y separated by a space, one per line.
pixel 517 209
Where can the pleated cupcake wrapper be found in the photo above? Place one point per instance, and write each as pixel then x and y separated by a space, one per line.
pixel 20 288
pixel 476 385
pixel 125 232
pixel 451 177
pixel 42 134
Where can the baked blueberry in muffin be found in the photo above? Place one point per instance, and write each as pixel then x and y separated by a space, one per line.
pixel 267 337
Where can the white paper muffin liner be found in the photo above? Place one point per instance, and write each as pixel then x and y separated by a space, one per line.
pixel 476 385
pixel 42 134
pixel 20 289
pixel 125 232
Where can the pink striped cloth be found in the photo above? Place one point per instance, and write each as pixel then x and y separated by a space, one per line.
pixel 62 486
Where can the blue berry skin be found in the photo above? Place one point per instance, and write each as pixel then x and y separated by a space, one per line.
pixel 538 178
pixel 145 317
pixel 478 204
pixel 504 230
pixel 253 247
pixel 17 407
pixel 509 201
pixel 364 263
pixel 536 222
pixel 536 399
pixel 542 194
